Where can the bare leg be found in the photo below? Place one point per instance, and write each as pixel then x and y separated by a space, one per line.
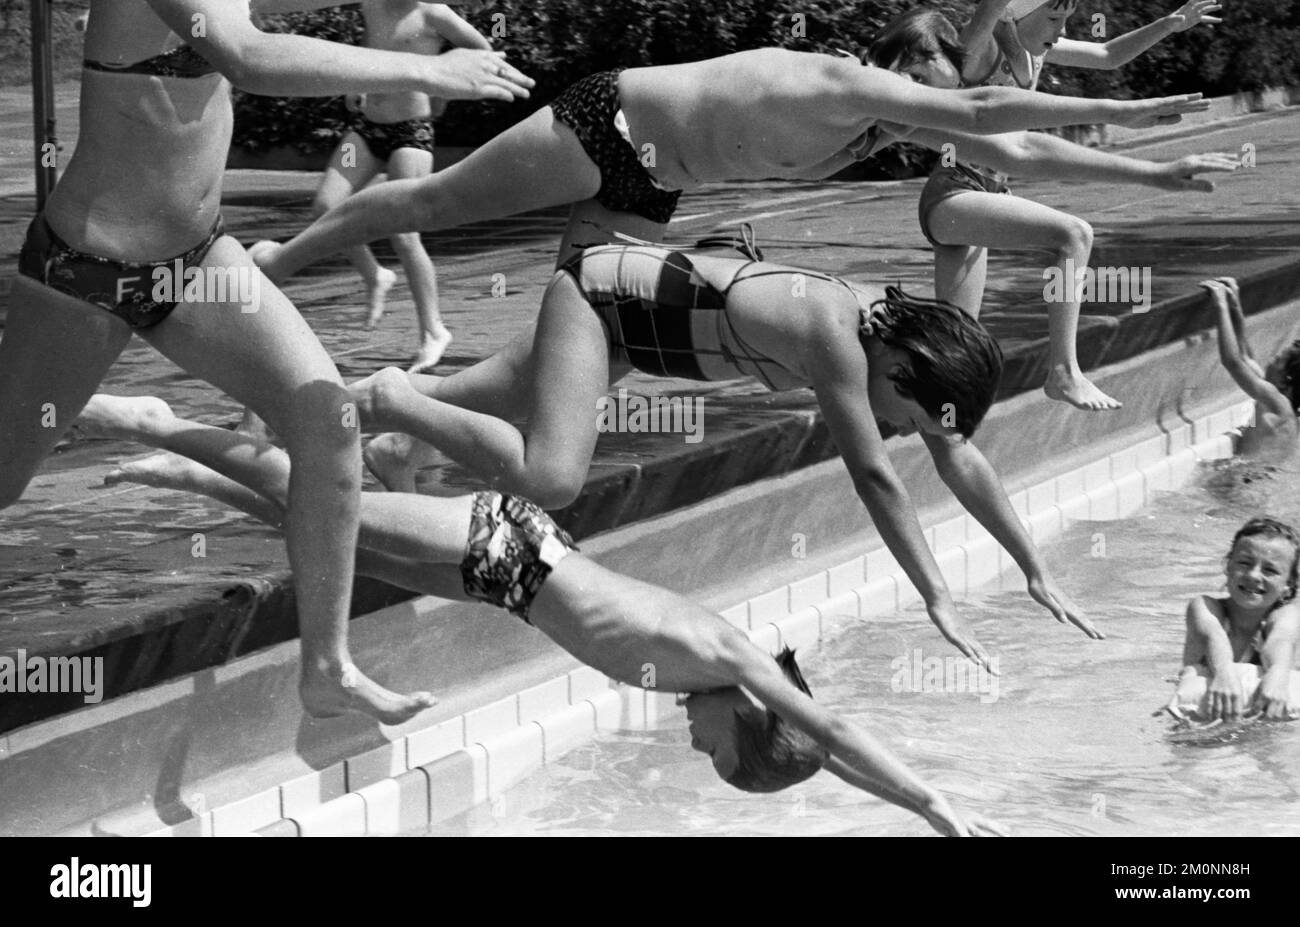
pixel 570 373
pixel 989 220
pixel 54 352
pixel 350 168
pixel 269 359
pixel 420 274
pixel 538 162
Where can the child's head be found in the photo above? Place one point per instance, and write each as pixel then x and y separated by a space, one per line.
pixel 751 747
pixel 939 358
pixel 1263 565
pixel 1284 372
pixel 922 45
pixel 1038 23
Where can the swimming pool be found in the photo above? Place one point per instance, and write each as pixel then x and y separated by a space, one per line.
pixel 1065 744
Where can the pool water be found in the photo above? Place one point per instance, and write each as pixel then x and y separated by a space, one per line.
pixel 1069 745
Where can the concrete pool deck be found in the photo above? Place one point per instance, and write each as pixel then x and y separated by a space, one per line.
pixel 110 573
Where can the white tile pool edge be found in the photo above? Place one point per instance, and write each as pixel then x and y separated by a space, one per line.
pixel 429 775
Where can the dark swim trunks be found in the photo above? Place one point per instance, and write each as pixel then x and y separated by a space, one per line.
pixel 590 108
pixel 182 62
pixel 124 288
pixel 513 546
pixel 383 138
pixel 947 182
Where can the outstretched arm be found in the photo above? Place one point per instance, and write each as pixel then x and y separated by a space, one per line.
pixel 840 380
pixel 1243 369
pixel 1206 640
pixel 1273 696
pixel 977 38
pixel 882 95
pixel 1121 50
pixel 1037 155
pixel 856 756
pixel 975 483
pixel 276 64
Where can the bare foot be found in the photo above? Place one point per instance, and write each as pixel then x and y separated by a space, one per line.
pixel 432 347
pixel 377 296
pixel 388 457
pixel 166 471
pixel 329 694
pixel 263 254
pixel 136 418
pixel 1078 391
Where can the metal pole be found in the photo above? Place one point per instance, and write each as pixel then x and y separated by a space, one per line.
pixel 45 145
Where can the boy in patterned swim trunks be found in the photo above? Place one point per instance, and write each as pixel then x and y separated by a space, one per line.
pixel 753 716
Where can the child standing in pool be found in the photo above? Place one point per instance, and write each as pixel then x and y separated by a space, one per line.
pixel 965 209
pixel 1257 622
pixel 1276 428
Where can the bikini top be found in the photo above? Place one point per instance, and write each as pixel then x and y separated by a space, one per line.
pixel 1002 74
pixel 1254 653
pixel 183 62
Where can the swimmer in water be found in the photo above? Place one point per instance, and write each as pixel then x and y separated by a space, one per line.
pixel 393 134
pixel 753 716
pixel 1257 622
pixel 1275 430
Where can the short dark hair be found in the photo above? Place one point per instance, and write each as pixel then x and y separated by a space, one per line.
pixel 1273 528
pixel 956 364
pixel 919 35
pixel 772 754
pixel 1290 385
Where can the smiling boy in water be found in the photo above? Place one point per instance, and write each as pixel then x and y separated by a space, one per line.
pixel 1257 622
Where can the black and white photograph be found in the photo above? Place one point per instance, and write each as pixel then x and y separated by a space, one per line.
pixel 669 418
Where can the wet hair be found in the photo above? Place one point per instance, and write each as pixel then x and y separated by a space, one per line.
pixel 956 364
pixel 1264 526
pixel 916 36
pixel 772 754
pixel 1290 368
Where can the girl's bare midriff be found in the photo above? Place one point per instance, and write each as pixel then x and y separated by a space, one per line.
pixel 144 182
pixel 747 116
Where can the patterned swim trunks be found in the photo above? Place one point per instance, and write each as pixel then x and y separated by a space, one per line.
pixel 513 546
pixel 591 109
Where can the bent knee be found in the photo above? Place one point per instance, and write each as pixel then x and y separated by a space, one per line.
pixel 554 487
pixel 1073 235
pixel 324 413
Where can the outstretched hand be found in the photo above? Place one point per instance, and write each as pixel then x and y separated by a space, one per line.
pixel 479 74
pixel 953 627
pixel 1160 111
pixel 946 821
pixel 1193 12
pixel 1045 592
pixel 1181 174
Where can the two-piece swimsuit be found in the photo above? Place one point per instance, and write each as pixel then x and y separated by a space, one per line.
pixel 947 181
pixel 664 318
pixel 124 288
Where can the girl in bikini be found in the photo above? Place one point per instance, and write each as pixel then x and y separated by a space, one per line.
pixel 100 264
